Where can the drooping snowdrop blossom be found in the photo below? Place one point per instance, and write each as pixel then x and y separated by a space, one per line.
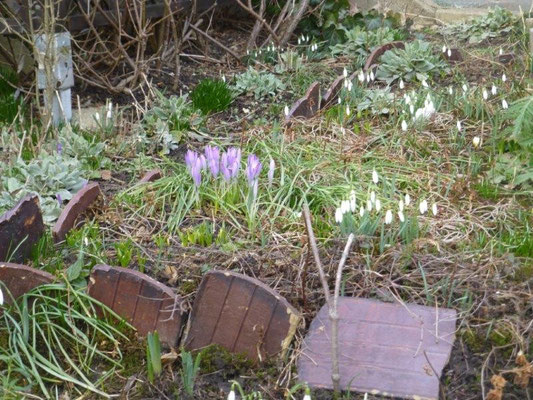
pixel 402 84
pixel 388 217
pixel 361 211
pixel 350 86
pixel 253 168
pixel 369 205
pixel 345 72
pixel 361 76
pixel 485 94
pixel 401 205
pixel 373 196
pixel 1 297
pixel 372 76
pixel 271 170
pixel 423 207
pixel 504 78
pixel 231 395
pixel 450 90
pixel 307 395
pixel 407 199
pixel 459 126
pixel 375 176
pixel 412 109
pixel 501 51
pixel 286 111
pixel 338 215
pixel 444 49
pixel 465 88
pixel 434 209
pixel 401 217
pixel 347 110
pixel 505 105
pixel 494 90
pixel 109 110
pixel 378 205
pixel 449 53
pixel 424 83
pixel 97 117
pixel 404 126
pixel 339 100
pixel 345 206
pixel 353 201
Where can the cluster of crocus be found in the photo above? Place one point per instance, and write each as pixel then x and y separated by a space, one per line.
pixel 195 163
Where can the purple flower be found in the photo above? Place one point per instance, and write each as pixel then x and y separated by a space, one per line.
pixel 212 154
pixel 59 148
pixel 230 163
pixel 271 169
pixel 253 168
pixel 195 163
pixel 59 199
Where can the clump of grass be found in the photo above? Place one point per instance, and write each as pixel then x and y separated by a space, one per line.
pixel 211 95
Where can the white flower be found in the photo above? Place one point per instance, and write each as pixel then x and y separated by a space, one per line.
pixel 400 205
pixel 450 90
pixel 412 109
pixel 372 77
pixel 361 76
pixel 401 216
pixel 404 126
pixel 367 78
pixel 388 217
pixel 338 215
pixel 459 126
pixel 449 52
pixel 423 206
pixel 465 88
pixel 1 297
pixel 231 395
pixel 286 111
pixel 375 177
pixel 444 49
pixel 345 206
pixel 339 100
pixel 369 205
pixel 504 78
pixel 353 204
pixel 345 83
pixel 299 41
pixel 434 209
pixel 350 86
pixel 224 78
pixel 378 205
pixel 407 99
pixel 97 117
pixel 307 38
pixel 246 110
pixel 424 83
pixel 347 110
pixel 501 51
pixel 407 199
pixel 345 72
pixel 505 106
pixel 476 141
pixel 373 197
pixel 307 397
pixel 361 211
pixel 494 90
pixel 485 94
pixel 402 85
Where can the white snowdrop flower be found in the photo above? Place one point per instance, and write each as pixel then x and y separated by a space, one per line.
pixel 260 51
pixel 347 110
pixel 459 126
pixel 494 90
pixel 401 216
pixel 353 204
pixel 444 49
pixel 307 38
pixel 345 72
pixel 402 85
pixel 476 141
pixel 485 94
pixel 423 207
pixel 412 109
pixel 401 205
pixel 449 52
pixel 501 51
pixel 339 100
pixel 367 78
pixel 345 206
pixel 1 297
pixel 388 217
pixel 465 88
pixel 375 176
pixel 407 199
pixel 505 105
pixel 109 114
pixel 345 83
pixel 378 205
pixel 307 397
pixel 365 397
pixel 407 98
pixel 434 209
pixel 424 83
pixel 373 196
pixel 299 41
pixel 372 76
pixel 97 117
pixel 224 78
pixel 231 395
pixel 404 126
pixel 369 205
pixel 350 86
pixel 361 211
pixel 504 78
pixel 338 215
pixel 248 51
pixel 450 90
pixel 286 111
pixel 246 110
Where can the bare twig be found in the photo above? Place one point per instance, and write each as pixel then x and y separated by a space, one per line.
pixel 212 39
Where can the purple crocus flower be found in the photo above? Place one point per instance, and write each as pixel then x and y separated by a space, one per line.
pixel 212 155
pixel 230 163
pixel 271 169
pixel 195 164
pixel 59 148
pixel 253 168
pixel 59 199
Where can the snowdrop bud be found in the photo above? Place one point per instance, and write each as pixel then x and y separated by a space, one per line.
pixel 407 199
pixel 450 90
pixel 345 72
pixel 459 126
pixel 504 78
pixel 402 85
pixel 231 395
pixel 449 52
pixel 485 94
pixel 400 205
pixel 494 90
pixel 307 38
pixel 286 111
pixel 350 85
pixel 339 100
pixel 375 177
pixel 345 84
pixel 505 106
pixel 347 110
pixel 378 205
pixel 369 205
pixel 338 215
pixel 353 204
pixel 501 51
pixel 412 109
pixel 361 211
pixel 465 88
pixel 388 217
pixel 401 216
pixel 425 84
pixel 404 126
pixel 373 197
pixel 423 206
pixel 434 209
pixel 367 78
pixel 476 141
pixel 444 49
pixel 361 77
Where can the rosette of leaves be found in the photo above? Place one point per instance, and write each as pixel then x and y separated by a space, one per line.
pixel 86 148
pixel 495 23
pixel 360 42
pixel 258 83
pixel 211 95
pixel 376 101
pixel 47 176
pixel 415 61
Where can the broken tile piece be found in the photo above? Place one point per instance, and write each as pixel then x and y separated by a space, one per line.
pixel 20 279
pixel 242 315
pixel 308 105
pixel 332 93
pixel 74 209
pixel 383 348
pixel 374 56
pixel 20 228
pixel 145 303
pixel 151 176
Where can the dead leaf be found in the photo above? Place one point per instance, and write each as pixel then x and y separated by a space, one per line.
pixel 169 358
pixel 525 371
pixel 171 273
pixel 498 383
pixel 105 175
